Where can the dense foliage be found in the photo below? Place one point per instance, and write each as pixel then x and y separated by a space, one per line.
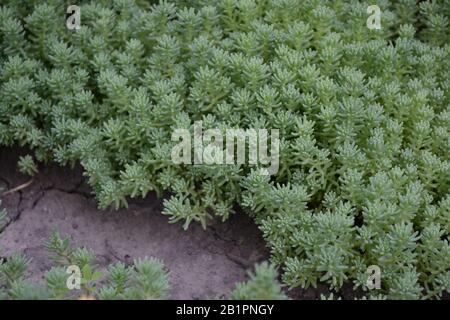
pixel 363 115
pixel 263 285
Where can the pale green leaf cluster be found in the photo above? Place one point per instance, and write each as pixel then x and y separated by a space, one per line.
pixel 145 279
pixel 363 116
pixel 262 285
pixel 27 165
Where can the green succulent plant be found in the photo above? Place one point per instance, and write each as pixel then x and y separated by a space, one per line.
pixel 145 279
pixel 363 116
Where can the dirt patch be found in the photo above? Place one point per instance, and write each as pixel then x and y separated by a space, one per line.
pixel 202 264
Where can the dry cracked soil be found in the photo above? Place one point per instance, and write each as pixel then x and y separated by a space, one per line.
pixel 203 264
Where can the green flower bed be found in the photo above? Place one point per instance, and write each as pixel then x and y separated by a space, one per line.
pixel 363 116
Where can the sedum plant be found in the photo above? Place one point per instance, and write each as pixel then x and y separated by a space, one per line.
pixel 27 165
pixel 146 279
pixel 263 285
pixel 363 117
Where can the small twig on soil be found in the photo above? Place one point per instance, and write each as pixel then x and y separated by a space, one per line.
pixel 18 188
pixel 238 260
pixel 114 253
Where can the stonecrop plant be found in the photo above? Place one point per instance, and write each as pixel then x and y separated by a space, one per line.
pixel 263 285
pixel 363 116
pixel 146 279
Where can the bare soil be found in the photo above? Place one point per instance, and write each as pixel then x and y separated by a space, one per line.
pixel 202 264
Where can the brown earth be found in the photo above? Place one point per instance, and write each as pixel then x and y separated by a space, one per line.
pixel 203 264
